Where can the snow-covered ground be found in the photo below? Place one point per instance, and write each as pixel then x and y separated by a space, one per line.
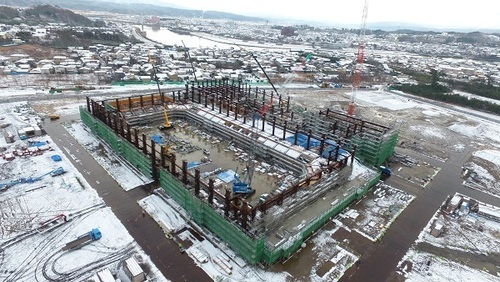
pixel 216 259
pixel 162 211
pixel 426 267
pixel 439 132
pixel 116 167
pixel 31 196
pixel 374 215
pixel 332 259
pixel 465 233
pixel 469 95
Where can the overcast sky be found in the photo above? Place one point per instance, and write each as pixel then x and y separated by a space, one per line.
pixel 481 14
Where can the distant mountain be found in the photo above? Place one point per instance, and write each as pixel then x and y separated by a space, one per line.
pixel 43 14
pixel 131 7
pixel 152 2
pixel 394 26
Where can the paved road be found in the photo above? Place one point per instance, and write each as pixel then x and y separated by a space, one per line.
pixel 380 260
pixel 164 252
pixel 459 109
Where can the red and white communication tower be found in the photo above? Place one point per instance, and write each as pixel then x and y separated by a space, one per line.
pixel 359 60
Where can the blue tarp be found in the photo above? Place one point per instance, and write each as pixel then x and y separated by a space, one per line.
pixel 193 164
pixel 341 155
pixel 302 141
pixel 330 145
pixel 226 176
pixel 157 139
pixel 36 144
pixel 56 158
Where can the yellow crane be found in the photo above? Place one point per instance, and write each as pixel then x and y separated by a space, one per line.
pixel 167 124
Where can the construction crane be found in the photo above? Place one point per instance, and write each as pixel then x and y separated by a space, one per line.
pixel 292 77
pixel 359 60
pixel 298 68
pixel 262 111
pixel 166 124
pixel 186 52
pixel 244 186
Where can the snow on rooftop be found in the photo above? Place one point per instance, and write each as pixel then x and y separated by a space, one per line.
pixel 270 143
pixel 455 200
pixel 292 153
pixel 280 148
pixel 216 119
pixel 168 218
pixel 359 169
pixel 489 210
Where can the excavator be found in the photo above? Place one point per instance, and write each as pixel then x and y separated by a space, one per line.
pixel 166 150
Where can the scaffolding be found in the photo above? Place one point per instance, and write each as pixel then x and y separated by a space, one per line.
pixel 372 142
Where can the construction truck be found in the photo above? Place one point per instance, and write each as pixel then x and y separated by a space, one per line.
pixel 57 171
pixel 83 240
pixel 385 171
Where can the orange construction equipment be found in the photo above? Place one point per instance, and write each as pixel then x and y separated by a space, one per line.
pixel 359 60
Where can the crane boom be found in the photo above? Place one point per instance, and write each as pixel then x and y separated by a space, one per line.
pixel 359 60
pixel 265 73
pixel 190 61
pixel 167 124
pixel 262 111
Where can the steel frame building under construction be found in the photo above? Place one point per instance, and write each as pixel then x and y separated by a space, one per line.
pixel 318 148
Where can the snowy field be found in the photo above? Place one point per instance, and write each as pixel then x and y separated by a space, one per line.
pixel 464 231
pixel 465 237
pixel 332 260
pixel 439 132
pixel 373 216
pixel 424 267
pixel 30 251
